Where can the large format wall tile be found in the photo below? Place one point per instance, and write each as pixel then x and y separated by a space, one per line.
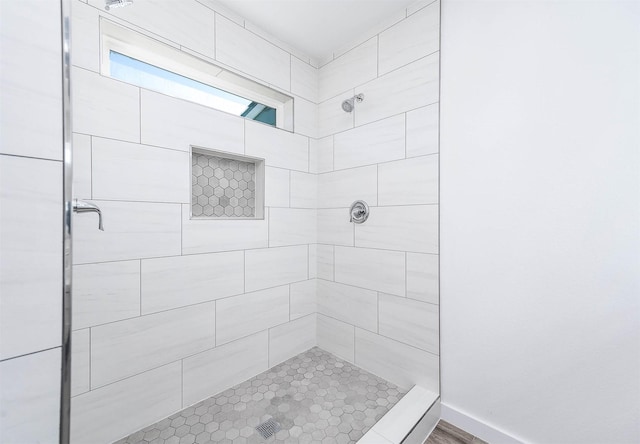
pixel 207 236
pixel 31 259
pixel 404 89
pixel 213 371
pixel 368 144
pixel 340 188
pixel 81 146
pixel 105 292
pixel 304 190
pixel 191 25
pixel 350 69
pixel 278 147
pixel 408 182
pixel 84 46
pixel 304 79
pixel 334 227
pixel 422 131
pixel 132 346
pixel 406 228
pixel 113 411
pixel 411 322
pixel 240 316
pixel 401 364
pixel 305 117
pixel 30 79
pixel 185 280
pixel 245 51
pixel 415 37
pixel 302 296
pixel 422 277
pixel 128 171
pixel 105 107
pixel 176 123
pixel 321 152
pixel 276 187
pixel 271 267
pixel 354 305
pixel 80 362
pixel 325 258
pixel 336 337
pixel 131 230
pixel 292 226
pixel 30 398
pixel 378 270
pixel 292 338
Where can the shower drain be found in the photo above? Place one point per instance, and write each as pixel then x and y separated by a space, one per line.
pixel 268 428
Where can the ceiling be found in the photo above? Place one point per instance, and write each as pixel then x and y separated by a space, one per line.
pixel 316 27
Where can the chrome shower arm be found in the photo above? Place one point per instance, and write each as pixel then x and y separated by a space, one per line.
pixel 80 206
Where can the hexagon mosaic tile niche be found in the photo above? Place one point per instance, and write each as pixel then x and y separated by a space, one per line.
pixel 314 398
pixel 222 187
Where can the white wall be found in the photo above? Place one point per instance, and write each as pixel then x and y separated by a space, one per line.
pixel 30 220
pixel 540 218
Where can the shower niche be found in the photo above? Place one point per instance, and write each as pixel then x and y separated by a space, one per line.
pixel 226 186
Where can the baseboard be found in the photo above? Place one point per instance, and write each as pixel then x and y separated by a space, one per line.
pixel 476 427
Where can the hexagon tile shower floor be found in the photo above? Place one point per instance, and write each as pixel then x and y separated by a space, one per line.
pixel 313 397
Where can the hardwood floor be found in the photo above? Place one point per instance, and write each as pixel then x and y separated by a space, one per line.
pixel 446 433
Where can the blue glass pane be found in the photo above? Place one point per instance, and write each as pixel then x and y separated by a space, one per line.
pixel 148 76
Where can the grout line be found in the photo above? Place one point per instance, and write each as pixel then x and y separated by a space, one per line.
pixel 19 156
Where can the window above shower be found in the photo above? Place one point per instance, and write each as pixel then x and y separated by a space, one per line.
pixel 142 61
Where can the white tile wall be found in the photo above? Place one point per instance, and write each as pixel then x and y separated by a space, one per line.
pixel 278 147
pixel 405 228
pixel 422 131
pixel 116 410
pixel 340 188
pixel 356 306
pixel 245 51
pixel 131 230
pixel 313 261
pixel 178 124
pixel 351 69
pixel 291 226
pixel 292 338
pixel 240 316
pixel 408 182
pixel 395 361
pixel 304 79
pixel 276 187
pixel 105 292
pixel 31 259
pixel 422 277
pixel 270 267
pixel 178 281
pixel 105 107
pixel 231 363
pixel 81 165
pixel 30 79
pixel 85 46
pixel 335 227
pixel 373 143
pixel 415 37
pixel 30 398
pixel 322 154
pixel 410 322
pixel 191 25
pixel 128 171
pixel 305 117
pixel 129 347
pixel 336 337
pixel 206 236
pixel 380 270
pixel 302 298
pixel 325 255
pixel 80 362
pixel 304 190
pixel 412 86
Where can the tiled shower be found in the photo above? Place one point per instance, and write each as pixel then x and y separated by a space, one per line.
pixel 213 270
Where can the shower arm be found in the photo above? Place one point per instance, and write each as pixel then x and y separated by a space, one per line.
pixel 80 206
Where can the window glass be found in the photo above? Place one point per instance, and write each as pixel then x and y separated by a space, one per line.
pixel 148 76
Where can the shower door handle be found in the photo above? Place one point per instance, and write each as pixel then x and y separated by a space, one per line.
pixel 80 206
